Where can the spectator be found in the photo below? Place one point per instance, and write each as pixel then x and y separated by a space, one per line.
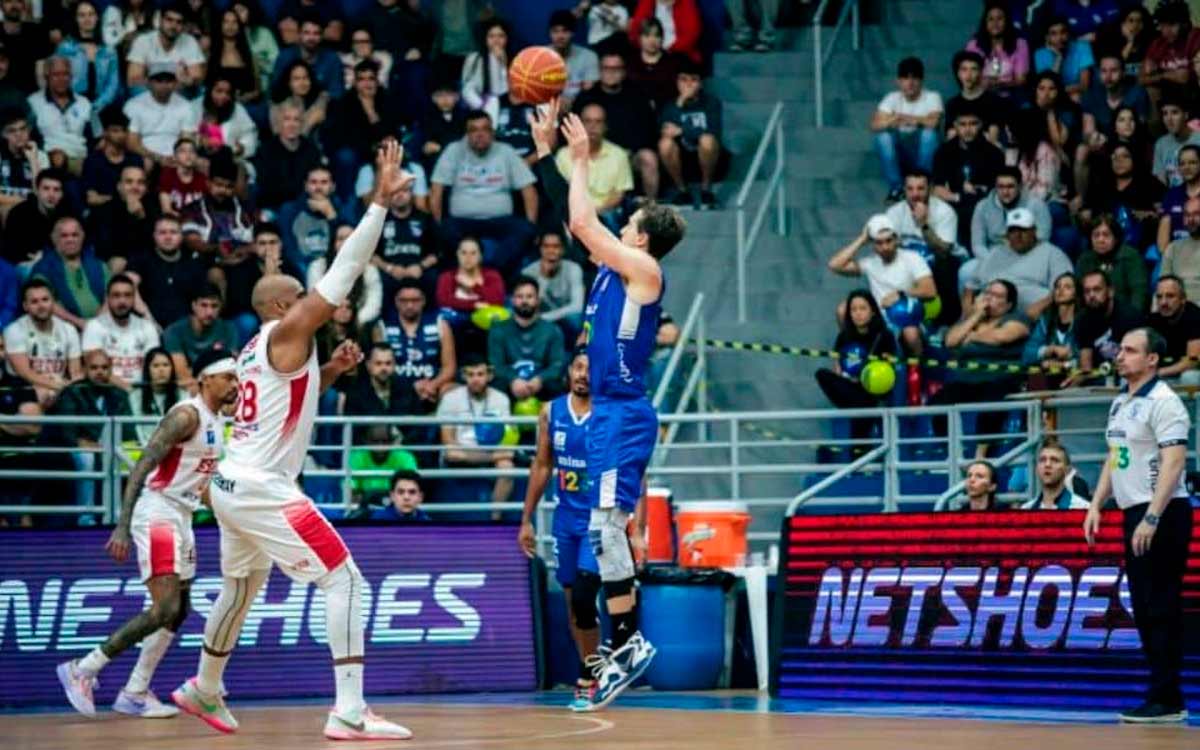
pixel 362 118
pixel 1054 472
pixel 27 227
pixel 224 121
pixel 1025 261
pixel 200 21
pixel 968 71
pixel 61 115
pixel 296 87
pixel 367 295
pixel 167 275
pixel 1040 158
pixel 610 178
pixel 42 350
pixel 220 227
pixel 457 20
pixel 103 166
pixel 405 500
pixel 284 160
pixel 371 466
pixel 77 276
pixel 1182 257
pixel 20 158
pixel 121 333
pixel 1127 129
pixel 1104 322
pixel 407 246
pixel 630 115
pixel 483 175
pixel 308 222
pixel 989 223
pixel 690 141
pixel 95 69
pixel 1125 189
pixel 928 225
pixel 11 97
pixel 1005 53
pixel 681 24
pixel 980 487
pixel 159 117
pixel 169 48
pixel 444 123
pixel 608 23
pixel 906 126
pixel 263 48
pixel 891 272
pixel 324 65
pixel 94 396
pixel 652 68
pixel 1130 38
pixel 560 285
pixel 362 48
pixel 464 446
pixel 470 285
pixel 204 329
pixel 124 227
pixel 862 334
pixel 422 344
pixel 124 20
pixel 341 327
pixel 27 45
pixel 1066 55
pixel 485 71
pixel 1179 134
pixel 1051 344
pixel 233 61
pixel 414 26
pixel 380 394
pixel 1087 18
pixel 182 183
pixel 583 67
pixel 1178 321
pixel 1123 264
pixel 1168 64
pixel 526 353
pixel 1171 226
pixel 1111 91
pixel 159 392
pixel 965 167
pixel 328 14
pixel 263 258
pixel 767 11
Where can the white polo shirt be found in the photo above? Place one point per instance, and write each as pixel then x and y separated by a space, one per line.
pixel 147 49
pixel 1139 425
pixel 62 128
pixel 126 345
pixel 160 125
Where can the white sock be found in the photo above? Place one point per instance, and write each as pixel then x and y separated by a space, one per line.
pixel 93 662
pixel 349 681
pixel 212 668
pixel 154 647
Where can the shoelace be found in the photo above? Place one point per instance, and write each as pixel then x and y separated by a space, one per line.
pixel 598 661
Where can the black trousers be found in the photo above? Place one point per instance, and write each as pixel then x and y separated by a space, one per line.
pixel 1156 587
pixel 849 394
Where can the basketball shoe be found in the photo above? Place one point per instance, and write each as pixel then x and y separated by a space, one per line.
pixel 365 725
pixel 210 709
pixel 146 705
pixel 620 670
pixel 78 686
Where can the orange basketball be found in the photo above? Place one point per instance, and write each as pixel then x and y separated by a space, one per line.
pixel 536 76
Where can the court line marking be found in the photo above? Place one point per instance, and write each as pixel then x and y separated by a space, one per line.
pixel 598 725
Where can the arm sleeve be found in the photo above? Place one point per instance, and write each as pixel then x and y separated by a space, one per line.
pixel 472 81
pixel 521 175
pixel 372 300
pixel 14 343
pixel 445 290
pixel 446 166
pixel 352 259
pixel 553 185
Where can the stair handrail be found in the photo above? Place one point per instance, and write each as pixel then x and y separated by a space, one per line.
pixel 745 240
pixel 821 54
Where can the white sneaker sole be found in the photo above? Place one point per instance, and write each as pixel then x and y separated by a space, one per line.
pixel 350 735
pixel 631 678
pixel 163 712
pixel 1174 718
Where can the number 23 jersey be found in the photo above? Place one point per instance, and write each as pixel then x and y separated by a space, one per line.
pixel 1139 425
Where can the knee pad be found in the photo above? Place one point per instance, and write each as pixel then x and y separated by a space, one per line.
pixel 623 587
pixel 610 544
pixel 583 600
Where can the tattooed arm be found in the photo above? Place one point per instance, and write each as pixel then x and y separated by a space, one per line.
pixel 178 425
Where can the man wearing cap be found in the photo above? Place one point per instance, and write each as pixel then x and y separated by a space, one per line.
pixel 892 273
pixel 988 223
pixel 1031 265
pixel 167 48
pixel 158 117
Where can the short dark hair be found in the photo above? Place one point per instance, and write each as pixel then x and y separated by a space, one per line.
pixel 366 66
pixel 1113 225
pixel 552 233
pixel 663 226
pixel 408 474
pixel 208 291
pixel 651 23
pixel 318 167
pixel 476 114
pixel 963 56
pixel 221 166
pixel 119 278
pixel 968 108
pixel 524 280
pixel 1188 147
pixel 267 227
pixel 1009 171
pixel 113 116
pixel 911 67
pixel 689 67
pixel 380 346
pixel 1176 279
pixel 37 282
pixel 1101 273
pixel 473 359
pixel 918 172
pixel 11 115
pixel 1171 100
pixel 407 283
pixel 564 18
pixel 51 173
pixel 1053 444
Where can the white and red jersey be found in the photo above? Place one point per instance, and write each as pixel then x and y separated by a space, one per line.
pixel 273 423
pixel 183 473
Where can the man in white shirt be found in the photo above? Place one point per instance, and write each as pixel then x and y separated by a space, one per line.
pixel 470 444
pixel 159 117
pixel 120 333
pixel 560 285
pixel 43 349
pixel 61 114
pixel 894 276
pixel 928 225
pixel 1054 473
pixel 905 125
pixel 171 46
pixel 583 66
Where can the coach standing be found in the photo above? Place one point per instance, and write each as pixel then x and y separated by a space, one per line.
pixel 1147 438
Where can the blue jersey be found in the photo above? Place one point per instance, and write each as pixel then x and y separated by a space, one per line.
pixel 418 357
pixel 620 336
pixel 568 444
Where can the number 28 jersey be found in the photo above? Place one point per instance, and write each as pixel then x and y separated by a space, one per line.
pixel 275 411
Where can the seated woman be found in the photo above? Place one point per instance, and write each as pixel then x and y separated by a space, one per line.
pixel 1005 53
pixel 863 334
pixel 1052 345
pixel 1123 264
pixel 298 86
pixel 979 489
pixel 1123 188
pixel 95 69
pixel 485 71
pixel 462 290
pixel 159 392
pixel 362 47
pixel 224 121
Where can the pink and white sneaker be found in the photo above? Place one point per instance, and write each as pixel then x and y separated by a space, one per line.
pixel 210 709
pixel 366 725
pixel 78 685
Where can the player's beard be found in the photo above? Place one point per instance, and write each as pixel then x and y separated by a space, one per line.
pixel 525 312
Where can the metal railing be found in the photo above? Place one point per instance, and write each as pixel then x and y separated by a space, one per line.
pixel 821 53
pixel 775 188
pixel 692 332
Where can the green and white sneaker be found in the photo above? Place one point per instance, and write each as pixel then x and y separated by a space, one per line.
pixel 210 709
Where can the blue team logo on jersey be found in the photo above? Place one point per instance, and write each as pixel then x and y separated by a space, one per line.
pixel 210 437
pixel 560 440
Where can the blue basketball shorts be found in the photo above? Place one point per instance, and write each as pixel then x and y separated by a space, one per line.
pixel 621 439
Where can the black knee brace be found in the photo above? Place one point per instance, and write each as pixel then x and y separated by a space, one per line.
pixel 583 600
pixel 613 589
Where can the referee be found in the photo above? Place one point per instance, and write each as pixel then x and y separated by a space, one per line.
pixel 1147 436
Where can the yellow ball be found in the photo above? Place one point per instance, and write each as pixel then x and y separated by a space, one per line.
pixel 933 308
pixel 878 378
pixel 485 316
pixel 527 407
pixel 511 435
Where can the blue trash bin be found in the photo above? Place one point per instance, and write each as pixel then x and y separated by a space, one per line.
pixel 686 623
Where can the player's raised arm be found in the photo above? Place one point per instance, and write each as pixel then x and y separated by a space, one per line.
pixel 539 477
pixel 291 341
pixel 639 269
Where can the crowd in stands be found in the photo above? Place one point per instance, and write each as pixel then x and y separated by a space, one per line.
pixel 158 158
pixel 1036 214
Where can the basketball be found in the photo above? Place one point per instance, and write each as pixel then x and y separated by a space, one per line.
pixel 536 76
pixel 878 378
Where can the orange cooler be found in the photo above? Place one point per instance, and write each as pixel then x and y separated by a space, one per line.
pixel 660 544
pixel 712 535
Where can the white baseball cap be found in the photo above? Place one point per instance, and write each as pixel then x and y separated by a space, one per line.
pixel 878 225
pixel 1020 218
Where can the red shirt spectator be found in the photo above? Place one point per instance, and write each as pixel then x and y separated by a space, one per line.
pixel 470 285
pixel 1165 57
pixel 681 33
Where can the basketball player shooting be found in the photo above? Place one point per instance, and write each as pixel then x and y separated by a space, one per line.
pixel 621 320
pixel 264 515
pixel 165 486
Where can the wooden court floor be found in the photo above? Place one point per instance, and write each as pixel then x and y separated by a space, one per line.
pixel 629 727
